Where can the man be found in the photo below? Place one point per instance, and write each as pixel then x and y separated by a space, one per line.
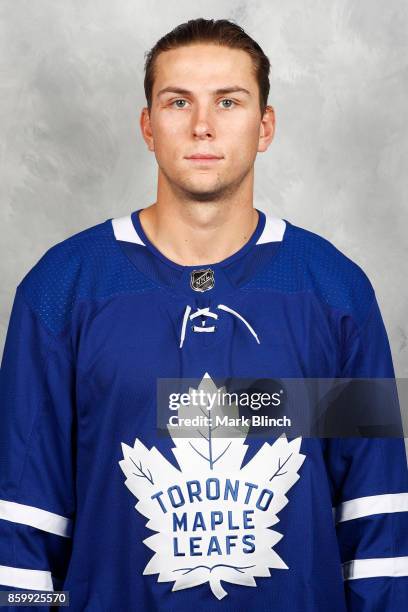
pixel 202 285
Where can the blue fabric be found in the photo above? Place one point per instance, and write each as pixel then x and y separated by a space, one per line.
pixel 94 324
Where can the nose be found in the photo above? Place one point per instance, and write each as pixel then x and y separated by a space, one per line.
pixel 202 124
pixel 202 131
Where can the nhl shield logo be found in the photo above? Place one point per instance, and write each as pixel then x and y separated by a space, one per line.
pixel 202 280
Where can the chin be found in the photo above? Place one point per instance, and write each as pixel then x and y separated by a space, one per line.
pixel 205 195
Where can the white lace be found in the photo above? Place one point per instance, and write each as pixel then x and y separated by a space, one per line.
pixel 207 313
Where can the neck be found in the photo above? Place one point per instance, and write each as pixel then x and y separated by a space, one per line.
pixel 200 232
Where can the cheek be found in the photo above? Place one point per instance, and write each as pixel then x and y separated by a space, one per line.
pixel 166 134
pixel 242 149
pixel 171 125
pixel 167 145
pixel 242 138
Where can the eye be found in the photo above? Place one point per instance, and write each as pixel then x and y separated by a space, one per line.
pixel 227 100
pixel 178 100
pixel 182 100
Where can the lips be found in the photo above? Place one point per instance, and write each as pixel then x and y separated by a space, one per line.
pixel 203 156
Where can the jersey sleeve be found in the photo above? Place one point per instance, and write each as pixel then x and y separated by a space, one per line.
pixel 369 478
pixel 37 501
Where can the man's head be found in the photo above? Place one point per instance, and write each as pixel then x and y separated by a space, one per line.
pixel 207 86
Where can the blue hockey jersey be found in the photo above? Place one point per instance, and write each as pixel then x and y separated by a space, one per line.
pixel 93 501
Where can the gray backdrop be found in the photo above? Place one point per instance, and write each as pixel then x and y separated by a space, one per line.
pixel 71 91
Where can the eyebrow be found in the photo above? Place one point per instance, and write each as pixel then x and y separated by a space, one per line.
pixel 217 92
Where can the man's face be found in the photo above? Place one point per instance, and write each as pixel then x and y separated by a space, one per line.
pixel 200 120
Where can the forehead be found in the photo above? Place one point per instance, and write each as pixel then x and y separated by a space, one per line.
pixel 194 66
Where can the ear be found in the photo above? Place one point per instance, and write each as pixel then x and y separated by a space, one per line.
pixel 266 129
pixel 146 128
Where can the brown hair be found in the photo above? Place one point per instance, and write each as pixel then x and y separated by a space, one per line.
pixel 217 31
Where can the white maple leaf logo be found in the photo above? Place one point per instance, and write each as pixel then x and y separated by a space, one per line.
pixel 212 517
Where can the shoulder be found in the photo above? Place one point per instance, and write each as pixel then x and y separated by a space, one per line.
pixel 86 265
pixel 331 274
pixel 309 262
pixel 64 259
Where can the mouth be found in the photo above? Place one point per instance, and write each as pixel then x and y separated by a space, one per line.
pixel 203 159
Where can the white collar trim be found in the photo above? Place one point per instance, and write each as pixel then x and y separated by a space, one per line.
pixel 124 229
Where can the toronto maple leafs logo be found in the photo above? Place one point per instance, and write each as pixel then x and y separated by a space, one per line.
pixel 212 516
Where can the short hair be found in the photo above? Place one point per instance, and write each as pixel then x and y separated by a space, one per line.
pixel 221 32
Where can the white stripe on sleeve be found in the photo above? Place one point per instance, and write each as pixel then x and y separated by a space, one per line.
pixel 375 568
pixel 38 580
pixel 35 517
pixel 372 504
